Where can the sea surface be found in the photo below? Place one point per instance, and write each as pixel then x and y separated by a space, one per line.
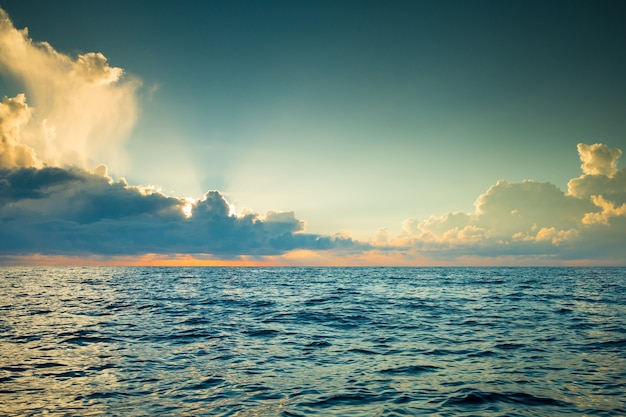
pixel 312 341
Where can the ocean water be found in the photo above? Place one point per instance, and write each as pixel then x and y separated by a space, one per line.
pixel 313 341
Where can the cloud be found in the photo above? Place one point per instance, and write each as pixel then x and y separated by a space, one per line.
pixel 598 159
pixel 69 212
pixel 608 210
pixel 532 218
pixel 83 107
pixel 503 211
pixel 14 115
pixel 600 174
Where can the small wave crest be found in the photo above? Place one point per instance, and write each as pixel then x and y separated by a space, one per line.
pixel 468 396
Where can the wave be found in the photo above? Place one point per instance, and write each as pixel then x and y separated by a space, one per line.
pixel 313 341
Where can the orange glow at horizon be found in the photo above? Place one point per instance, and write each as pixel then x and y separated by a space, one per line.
pixel 141 260
pixel 295 258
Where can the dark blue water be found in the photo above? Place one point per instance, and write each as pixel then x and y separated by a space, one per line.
pixel 313 341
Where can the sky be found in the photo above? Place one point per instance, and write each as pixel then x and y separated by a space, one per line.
pixel 317 132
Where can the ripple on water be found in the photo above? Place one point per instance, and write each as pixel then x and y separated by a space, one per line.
pixel 313 341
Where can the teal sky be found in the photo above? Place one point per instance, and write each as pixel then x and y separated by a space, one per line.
pixel 354 115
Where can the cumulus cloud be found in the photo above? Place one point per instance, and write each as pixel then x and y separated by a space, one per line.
pixel 61 211
pixel 14 115
pixel 600 174
pixel 598 159
pixel 83 107
pixel 505 210
pixel 608 210
pixel 589 220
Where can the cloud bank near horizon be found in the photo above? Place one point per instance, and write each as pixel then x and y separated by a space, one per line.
pixel 533 219
pixel 51 203
pixel 72 212
pixel 57 211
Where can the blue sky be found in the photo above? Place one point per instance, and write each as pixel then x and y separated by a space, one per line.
pixel 356 116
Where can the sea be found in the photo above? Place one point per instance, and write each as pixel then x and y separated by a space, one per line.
pixel 283 341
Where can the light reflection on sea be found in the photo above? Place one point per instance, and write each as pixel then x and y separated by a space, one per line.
pixel 313 341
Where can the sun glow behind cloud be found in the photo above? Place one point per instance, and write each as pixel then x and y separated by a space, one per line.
pixel 188 206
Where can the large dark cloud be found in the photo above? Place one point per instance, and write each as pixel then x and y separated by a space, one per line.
pixel 73 212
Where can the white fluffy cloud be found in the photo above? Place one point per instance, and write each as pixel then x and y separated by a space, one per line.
pixel 598 159
pixel 83 107
pixel 14 115
pixel 589 221
pixel 600 174
pixel 608 210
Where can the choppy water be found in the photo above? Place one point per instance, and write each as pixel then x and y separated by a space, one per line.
pixel 313 341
